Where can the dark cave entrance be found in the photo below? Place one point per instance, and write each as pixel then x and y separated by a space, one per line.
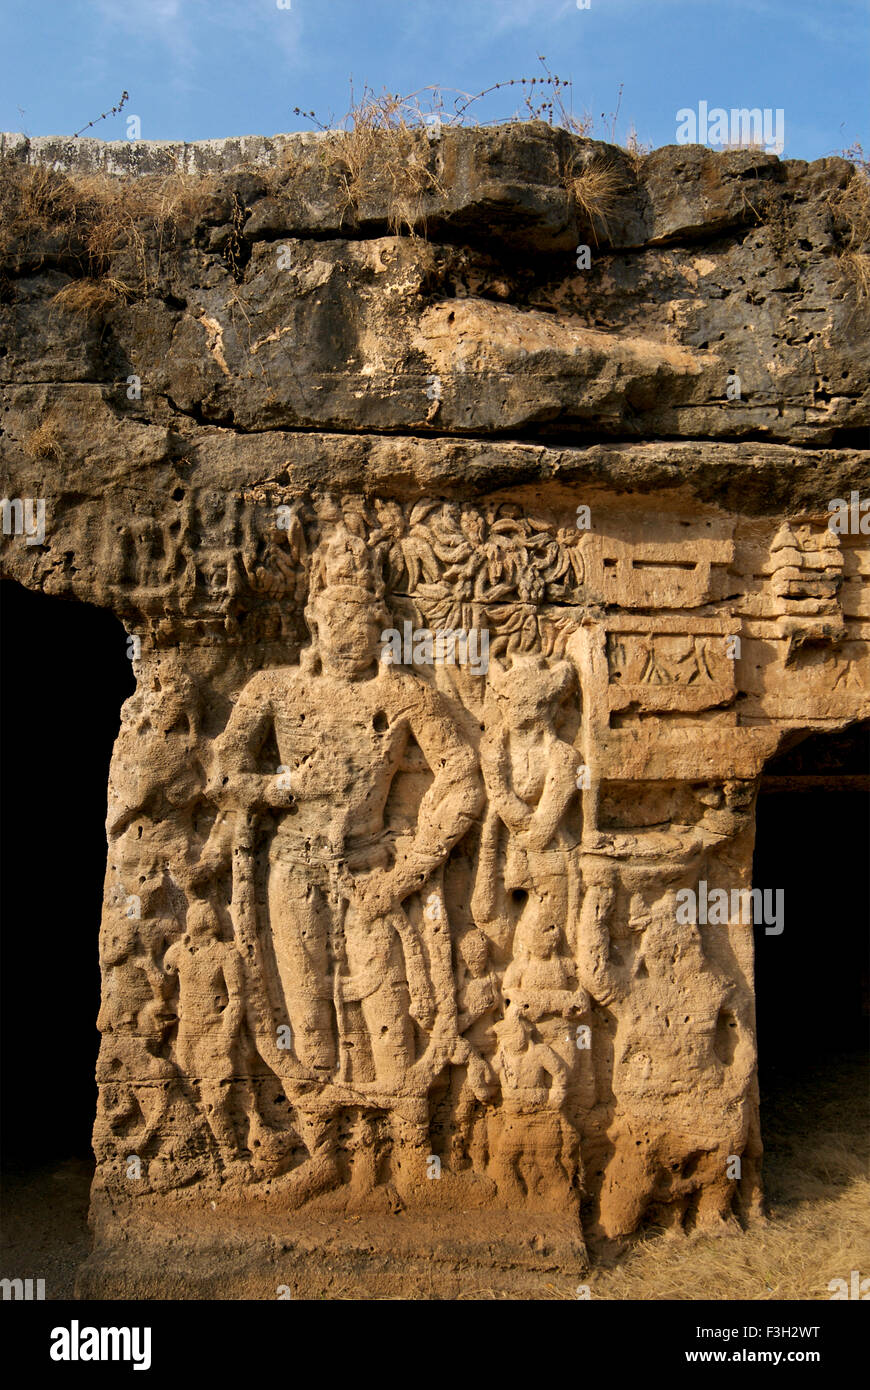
pixel 813 841
pixel 812 981
pixel 65 675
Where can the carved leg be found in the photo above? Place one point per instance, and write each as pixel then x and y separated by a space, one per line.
pixel 508 1152
pixel 321 1171
pixel 626 1190
pixel 299 920
pixel 215 1099
pixel 385 1011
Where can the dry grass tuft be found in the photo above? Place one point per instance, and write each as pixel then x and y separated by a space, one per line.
pixel 856 267
pixel 635 148
pixel 44 442
pixel 850 208
pixel 34 203
pixel 385 149
pixel 91 297
pixel 594 190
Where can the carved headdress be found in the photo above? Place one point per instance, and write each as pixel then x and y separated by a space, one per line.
pixel 344 567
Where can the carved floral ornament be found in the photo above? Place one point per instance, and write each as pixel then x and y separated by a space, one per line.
pixel 463 566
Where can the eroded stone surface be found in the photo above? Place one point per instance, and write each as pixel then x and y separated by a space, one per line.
pixel 386 932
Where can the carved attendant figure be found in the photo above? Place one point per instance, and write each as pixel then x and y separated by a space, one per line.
pixel 527 887
pixel 210 1012
pixel 529 1138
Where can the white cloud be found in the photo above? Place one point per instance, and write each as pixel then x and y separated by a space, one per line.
pixel 503 15
pixel 161 21
pixel 179 25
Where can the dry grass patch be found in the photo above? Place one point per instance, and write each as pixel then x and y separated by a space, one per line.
pixel 90 224
pixel 793 1256
pixel 636 149
pixel 44 442
pixel 851 212
pixel 855 266
pixel 384 150
pixel 594 190
pixel 91 297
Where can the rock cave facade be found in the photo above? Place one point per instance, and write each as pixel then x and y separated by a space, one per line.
pixel 468 593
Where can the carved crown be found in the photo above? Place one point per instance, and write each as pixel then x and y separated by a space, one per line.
pixel 345 568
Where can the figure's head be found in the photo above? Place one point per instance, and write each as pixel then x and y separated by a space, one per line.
pixel 667 943
pixel 127 993
pixel 346 612
pixel 473 950
pixel 514 1029
pixel 346 630
pixel 168 704
pixel 530 691
pixel 201 921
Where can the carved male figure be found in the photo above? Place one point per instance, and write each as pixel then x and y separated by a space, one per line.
pixel 351 966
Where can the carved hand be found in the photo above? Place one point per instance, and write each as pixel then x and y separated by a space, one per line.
pixel 211 862
pixel 276 797
pixel 246 790
pixel 216 853
pixel 580 1003
pixel 375 895
pixel 422 1007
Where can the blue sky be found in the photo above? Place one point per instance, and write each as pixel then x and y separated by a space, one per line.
pixel 200 69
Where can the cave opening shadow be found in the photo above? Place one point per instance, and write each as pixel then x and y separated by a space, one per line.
pixel 812 980
pixel 64 675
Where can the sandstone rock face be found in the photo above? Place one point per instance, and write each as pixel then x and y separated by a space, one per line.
pixel 469 592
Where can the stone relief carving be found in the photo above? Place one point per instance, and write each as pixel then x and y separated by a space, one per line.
pixel 805 567
pixel 389 912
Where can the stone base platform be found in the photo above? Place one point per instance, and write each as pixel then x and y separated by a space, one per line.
pixel 440 1256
